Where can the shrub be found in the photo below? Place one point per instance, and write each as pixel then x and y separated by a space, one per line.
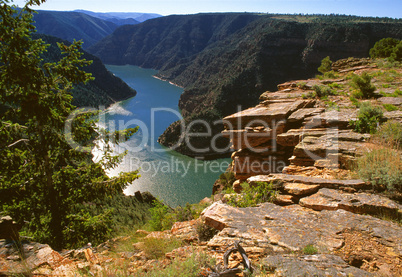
pixel 205 233
pixel 396 93
pixel 159 216
pixel 163 217
pixel 331 75
pixel 252 195
pixel 387 48
pixel 391 133
pixel 302 85
pixel 354 101
pixel 335 85
pixel 369 118
pixel 227 178
pixel 363 83
pixel 325 65
pixel 156 248
pixel 397 53
pixel 382 168
pixel 390 107
pixel 193 266
pixel 322 91
pixel 310 249
pixel 310 95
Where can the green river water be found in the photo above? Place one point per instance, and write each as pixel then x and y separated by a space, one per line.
pixel 174 178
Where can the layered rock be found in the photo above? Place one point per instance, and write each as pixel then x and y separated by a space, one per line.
pixel 312 265
pixel 288 128
pixel 284 230
pixel 362 203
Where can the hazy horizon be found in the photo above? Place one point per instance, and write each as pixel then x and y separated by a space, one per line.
pixel 372 8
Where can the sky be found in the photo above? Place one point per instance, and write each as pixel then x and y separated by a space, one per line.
pixel 380 8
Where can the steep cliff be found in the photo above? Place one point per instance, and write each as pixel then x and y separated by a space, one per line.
pixel 226 60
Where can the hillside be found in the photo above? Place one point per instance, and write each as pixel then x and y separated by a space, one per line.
pixel 73 25
pixel 225 60
pixel 105 90
pixel 122 18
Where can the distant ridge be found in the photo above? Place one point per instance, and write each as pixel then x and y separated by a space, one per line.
pixel 73 25
pixel 116 16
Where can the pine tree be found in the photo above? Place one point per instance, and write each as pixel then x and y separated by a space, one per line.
pixel 44 181
pixel 325 65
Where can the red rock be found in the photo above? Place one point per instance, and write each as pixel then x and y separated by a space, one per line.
pixel 283 200
pixel 299 189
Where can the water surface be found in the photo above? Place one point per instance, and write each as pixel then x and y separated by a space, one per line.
pixel 168 175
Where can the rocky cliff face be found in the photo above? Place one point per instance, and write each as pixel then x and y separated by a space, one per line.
pixel 226 60
pixel 294 127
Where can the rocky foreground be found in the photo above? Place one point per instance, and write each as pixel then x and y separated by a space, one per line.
pixel 322 222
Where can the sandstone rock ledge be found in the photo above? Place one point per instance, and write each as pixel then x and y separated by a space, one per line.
pixel 276 230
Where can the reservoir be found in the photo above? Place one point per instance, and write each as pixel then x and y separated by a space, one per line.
pixel 174 178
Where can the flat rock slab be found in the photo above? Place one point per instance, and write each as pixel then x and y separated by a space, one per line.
pixel 268 115
pixel 300 114
pixel 282 230
pixel 342 146
pixel 332 118
pixel 279 179
pixel 295 136
pixel 397 101
pixel 281 95
pixel 311 265
pixel 394 115
pixel 363 203
pixel 299 189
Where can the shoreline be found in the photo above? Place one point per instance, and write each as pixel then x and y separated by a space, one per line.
pixel 165 80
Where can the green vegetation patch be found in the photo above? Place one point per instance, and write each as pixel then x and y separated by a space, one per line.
pixel 253 195
pixel 369 118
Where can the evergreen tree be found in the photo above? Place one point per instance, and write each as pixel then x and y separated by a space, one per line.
pixel 325 66
pixel 384 48
pixel 44 180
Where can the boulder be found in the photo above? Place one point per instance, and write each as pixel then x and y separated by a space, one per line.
pixel 9 229
pixel 284 200
pixel 299 189
pixel 186 230
pixel 362 203
pixel 35 258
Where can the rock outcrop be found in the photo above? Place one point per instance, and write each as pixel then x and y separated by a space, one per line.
pixel 275 230
pixel 297 126
pixel 318 206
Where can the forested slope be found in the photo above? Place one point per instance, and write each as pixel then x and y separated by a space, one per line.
pixel 103 91
pixel 229 59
